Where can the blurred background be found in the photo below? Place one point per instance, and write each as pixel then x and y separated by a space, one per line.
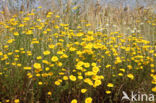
pixel 13 5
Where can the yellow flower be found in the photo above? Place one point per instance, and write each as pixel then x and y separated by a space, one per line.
pixel 108 65
pixel 16 101
pixel 60 52
pixel 120 74
pixel 87 65
pixel 39 57
pixel 95 69
pixel 27 68
pixel 40 7
pixel 54 58
pixel 26 18
pixel 129 67
pixel 108 92
pixel 110 85
pixel 47 68
pixel 49 93
pixel 57 83
pixel 87 80
pixel 72 49
pixel 37 65
pixel 1 53
pixel 51 46
pixel 88 100
pixel 29 32
pixel 118 60
pixel 56 26
pixel 93 64
pixel 10 41
pixel 45 62
pixel 16 33
pixel 46 52
pixel 57 16
pixel 90 32
pixel 154 89
pixel 35 42
pixel 29 75
pixel 21 25
pixel 83 90
pixel 72 78
pixel 50 73
pixel 123 70
pixel 65 78
pixel 38 75
pixel 152 70
pixel 130 76
pixel 80 77
pixel 40 83
pixel 74 8
pixel 7 101
pixel 59 64
pixel 74 101
pixel 152 65
pixel 64 56
pixel 61 73
pixel 97 83
pixel 19 65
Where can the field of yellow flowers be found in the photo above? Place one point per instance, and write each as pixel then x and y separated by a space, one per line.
pixel 44 59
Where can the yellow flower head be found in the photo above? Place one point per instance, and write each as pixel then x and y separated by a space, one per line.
pixel 131 76
pixel 46 52
pixel 37 65
pixel 83 90
pixel 27 68
pixel 108 92
pixel 40 83
pixel 74 101
pixel 1 53
pixel 95 69
pixel 72 78
pixel 110 85
pixel 54 58
pixel 49 93
pixel 16 33
pixel 154 89
pixel 88 100
pixel 97 83
pixel 65 78
pixel 7 100
pixel 57 83
pixel 16 101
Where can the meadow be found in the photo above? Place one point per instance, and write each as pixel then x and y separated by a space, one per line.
pixel 78 54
